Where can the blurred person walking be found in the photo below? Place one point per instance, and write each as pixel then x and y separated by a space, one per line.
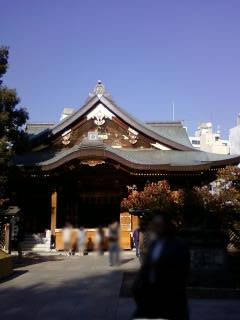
pixel 67 238
pixel 160 288
pixel 113 244
pixel 81 237
pixel 100 237
pixel 136 234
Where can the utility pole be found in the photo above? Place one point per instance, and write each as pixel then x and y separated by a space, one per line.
pixel 173 111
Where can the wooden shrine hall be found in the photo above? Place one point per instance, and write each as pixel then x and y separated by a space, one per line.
pixel 79 169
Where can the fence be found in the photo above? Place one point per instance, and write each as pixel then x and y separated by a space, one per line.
pixel 5 237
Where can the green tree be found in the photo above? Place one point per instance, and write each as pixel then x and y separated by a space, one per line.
pixel 12 119
pixel 223 202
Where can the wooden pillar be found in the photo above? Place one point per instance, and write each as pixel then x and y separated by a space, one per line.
pixel 53 211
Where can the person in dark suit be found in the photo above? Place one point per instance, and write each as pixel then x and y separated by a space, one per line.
pixel 160 287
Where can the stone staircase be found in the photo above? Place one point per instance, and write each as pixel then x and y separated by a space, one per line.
pixel 37 242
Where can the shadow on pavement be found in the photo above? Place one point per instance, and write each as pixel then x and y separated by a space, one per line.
pixel 91 297
pixel 63 291
pixel 15 274
pixel 33 258
pixel 124 261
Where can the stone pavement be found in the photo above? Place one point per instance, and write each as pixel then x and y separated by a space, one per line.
pixel 86 288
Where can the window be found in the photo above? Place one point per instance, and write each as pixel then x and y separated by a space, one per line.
pixel 196 142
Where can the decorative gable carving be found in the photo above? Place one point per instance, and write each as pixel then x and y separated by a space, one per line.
pixel 114 133
pixel 132 136
pixel 66 137
pixel 100 114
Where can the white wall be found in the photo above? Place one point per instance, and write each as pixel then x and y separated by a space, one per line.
pixel 234 140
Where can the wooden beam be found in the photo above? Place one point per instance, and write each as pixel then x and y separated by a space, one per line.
pixel 53 211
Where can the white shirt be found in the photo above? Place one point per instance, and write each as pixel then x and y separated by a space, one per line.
pixel 81 236
pixel 67 233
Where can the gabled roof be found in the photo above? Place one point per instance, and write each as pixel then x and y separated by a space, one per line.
pixel 171 130
pixel 174 140
pixel 35 128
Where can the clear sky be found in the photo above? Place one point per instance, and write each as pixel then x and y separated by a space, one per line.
pixel 148 53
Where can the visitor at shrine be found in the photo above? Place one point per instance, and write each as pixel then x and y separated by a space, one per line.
pixel 100 238
pixel 113 244
pixel 81 237
pixel 136 234
pixel 67 238
pixel 160 288
pixel 17 234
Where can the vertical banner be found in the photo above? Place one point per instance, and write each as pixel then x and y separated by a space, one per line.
pixel 126 228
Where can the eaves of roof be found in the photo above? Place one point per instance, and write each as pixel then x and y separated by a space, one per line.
pixel 172 160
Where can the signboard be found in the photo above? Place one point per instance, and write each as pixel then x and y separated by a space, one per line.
pixel 125 221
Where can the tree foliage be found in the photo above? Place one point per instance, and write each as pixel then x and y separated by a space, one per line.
pixel 12 119
pixel 224 200
pixel 155 196
pixel 229 177
pixel 200 207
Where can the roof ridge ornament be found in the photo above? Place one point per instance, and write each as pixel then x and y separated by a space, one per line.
pixel 99 89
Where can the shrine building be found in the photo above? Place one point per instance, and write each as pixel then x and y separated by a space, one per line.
pixel 79 169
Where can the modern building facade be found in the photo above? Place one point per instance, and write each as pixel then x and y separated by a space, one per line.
pixel 207 140
pixel 234 138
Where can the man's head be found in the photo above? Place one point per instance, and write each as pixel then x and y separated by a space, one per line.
pixel 162 225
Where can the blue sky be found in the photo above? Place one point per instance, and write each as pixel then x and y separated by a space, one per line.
pixel 148 53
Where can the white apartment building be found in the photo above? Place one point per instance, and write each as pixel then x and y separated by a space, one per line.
pixel 207 140
pixel 234 138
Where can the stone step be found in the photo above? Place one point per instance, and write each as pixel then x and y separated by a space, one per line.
pixel 38 235
pixel 37 241
pixel 35 237
pixel 35 247
pixel 35 234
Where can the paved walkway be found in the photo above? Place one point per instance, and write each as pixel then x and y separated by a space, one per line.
pixel 84 288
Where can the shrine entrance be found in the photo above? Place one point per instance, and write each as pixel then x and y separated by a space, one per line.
pixel 89 209
pixel 90 196
pixel 98 209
